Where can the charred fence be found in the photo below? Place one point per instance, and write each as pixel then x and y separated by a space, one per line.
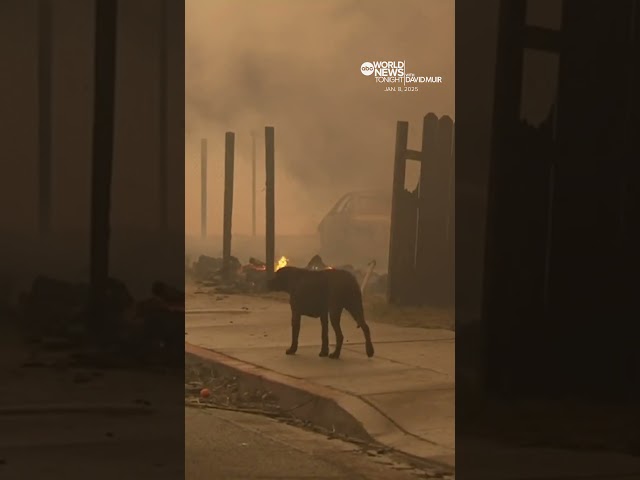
pixel 421 250
pixel 562 229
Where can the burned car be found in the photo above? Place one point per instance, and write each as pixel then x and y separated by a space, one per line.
pixel 357 228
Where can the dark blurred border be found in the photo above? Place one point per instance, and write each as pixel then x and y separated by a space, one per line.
pixel 547 364
pixel 78 401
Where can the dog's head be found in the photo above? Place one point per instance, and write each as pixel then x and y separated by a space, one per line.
pixel 283 279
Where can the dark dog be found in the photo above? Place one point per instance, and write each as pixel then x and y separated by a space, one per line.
pixel 321 294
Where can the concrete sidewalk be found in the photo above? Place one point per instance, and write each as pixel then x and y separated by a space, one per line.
pixel 403 397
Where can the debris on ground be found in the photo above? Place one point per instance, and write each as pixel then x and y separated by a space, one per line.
pixel 55 316
pixel 207 388
pixel 59 308
pixel 205 267
pixel 231 278
pixel 251 277
pixel 170 295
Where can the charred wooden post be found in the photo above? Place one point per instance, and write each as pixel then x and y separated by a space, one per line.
pixel 546 185
pixel 598 150
pixel 451 220
pixel 229 146
pixel 253 183
pixel 163 179
pixel 445 294
pixel 399 171
pixel 103 130
pixel 44 115
pixel 428 207
pixel 434 273
pixel 496 309
pixel 506 116
pixel 203 188
pixel 421 248
pixel 270 198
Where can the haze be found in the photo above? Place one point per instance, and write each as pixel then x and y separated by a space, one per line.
pixel 295 65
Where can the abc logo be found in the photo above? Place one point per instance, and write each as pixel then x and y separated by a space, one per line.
pixel 367 68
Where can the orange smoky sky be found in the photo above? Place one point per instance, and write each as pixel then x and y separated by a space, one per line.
pixel 295 65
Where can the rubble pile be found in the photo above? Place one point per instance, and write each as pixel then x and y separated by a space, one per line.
pixel 59 308
pixel 231 278
pixel 251 277
pixel 151 328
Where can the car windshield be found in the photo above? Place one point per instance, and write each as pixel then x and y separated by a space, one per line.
pixel 371 205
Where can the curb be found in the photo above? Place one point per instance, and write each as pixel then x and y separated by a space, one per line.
pixel 325 407
pixel 201 311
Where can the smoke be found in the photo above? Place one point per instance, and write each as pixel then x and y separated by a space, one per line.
pixel 295 66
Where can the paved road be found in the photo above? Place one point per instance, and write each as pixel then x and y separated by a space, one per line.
pixel 235 446
pixel 70 447
pixel 96 446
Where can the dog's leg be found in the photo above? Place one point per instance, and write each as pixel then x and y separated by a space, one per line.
pixel 358 315
pixel 367 339
pixel 335 323
pixel 324 322
pixel 295 333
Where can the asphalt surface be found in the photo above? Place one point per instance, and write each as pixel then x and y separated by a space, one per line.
pixel 225 445
pixel 69 447
pixel 42 441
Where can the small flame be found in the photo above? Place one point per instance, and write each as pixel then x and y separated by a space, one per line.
pixel 281 263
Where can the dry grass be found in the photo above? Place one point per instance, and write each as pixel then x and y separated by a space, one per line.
pixel 377 309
